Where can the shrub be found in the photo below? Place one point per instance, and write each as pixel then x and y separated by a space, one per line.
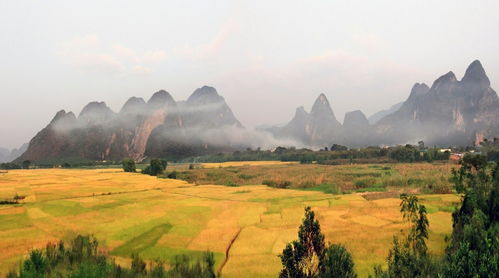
pixel 172 175
pixel 245 176
pixel 129 165
pixel 364 183
pixel 156 167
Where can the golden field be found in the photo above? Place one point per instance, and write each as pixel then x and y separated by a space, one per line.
pixel 161 218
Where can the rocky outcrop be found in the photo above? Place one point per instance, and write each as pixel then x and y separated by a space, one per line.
pixel 451 112
pixel 157 128
pixel 317 129
pixel 357 130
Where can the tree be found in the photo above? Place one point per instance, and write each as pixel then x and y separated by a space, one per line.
pixel 156 167
pixel 26 164
pixel 474 247
pixel 409 258
pixel 309 257
pixel 338 263
pixel 303 257
pixel 129 165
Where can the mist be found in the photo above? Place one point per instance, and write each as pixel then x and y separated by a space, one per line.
pixel 263 61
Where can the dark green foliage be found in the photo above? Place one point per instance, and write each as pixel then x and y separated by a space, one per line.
pixel 338 263
pixel 9 166
pixel 184 268
pixel 474 246
pixel 129 165
pixel 172 175
pixel 276 184
pixel 156 167
pixel 26 164
pixel 304 257
pixel 473 250
pixel 336 147
pixel 84 260
pixel 336 155
pixel 409 258
pixel 309 257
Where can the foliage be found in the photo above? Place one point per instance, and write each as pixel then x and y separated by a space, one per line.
pixel 9 166
pixel 309 257
pixel 337 154
pixel 156 167
pixel 474 246
pixel 473 250
pixel 82 259
pixel 129 165
pixel 409 258
pixel 26 164
pixel 338 262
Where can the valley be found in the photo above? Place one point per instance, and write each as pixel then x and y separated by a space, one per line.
pixel 159 218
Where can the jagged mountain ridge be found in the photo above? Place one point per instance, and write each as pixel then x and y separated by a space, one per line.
pixel 450 112
pixel 98 133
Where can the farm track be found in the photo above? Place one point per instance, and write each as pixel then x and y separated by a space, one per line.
pixel 219 274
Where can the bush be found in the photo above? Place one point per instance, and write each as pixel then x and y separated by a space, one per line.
pixel 277 184
pixel 172 175
pixel 156 167
pixel 365 183
pixel 129 165
pixel 245 176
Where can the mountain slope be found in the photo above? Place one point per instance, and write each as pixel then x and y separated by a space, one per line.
pixel 450 112
pixel 155 128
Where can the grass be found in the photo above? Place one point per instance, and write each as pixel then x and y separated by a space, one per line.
pixel 162 218
pixel 420 177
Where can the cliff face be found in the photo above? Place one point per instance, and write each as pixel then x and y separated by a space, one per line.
pixel 317 128
pixel 450 112
pixel 157 128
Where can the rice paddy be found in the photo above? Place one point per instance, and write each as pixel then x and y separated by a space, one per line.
pixel 160 218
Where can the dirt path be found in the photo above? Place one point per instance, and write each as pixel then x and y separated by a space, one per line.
pixel 227 253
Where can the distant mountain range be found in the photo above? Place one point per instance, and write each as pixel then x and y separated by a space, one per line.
pixel 450 112
pixel 9 155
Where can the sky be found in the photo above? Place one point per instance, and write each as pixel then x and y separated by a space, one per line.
pixel 265 57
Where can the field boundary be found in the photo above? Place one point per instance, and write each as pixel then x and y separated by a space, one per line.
pixel 219 273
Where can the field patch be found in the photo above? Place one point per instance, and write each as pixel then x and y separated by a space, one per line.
pixel 163 218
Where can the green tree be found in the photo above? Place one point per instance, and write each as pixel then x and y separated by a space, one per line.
pixel 26 164
pixel 474 248
pixel 309 257
pixel 156 167
pixel 409 258
pixel 304 257
pixel 129 165
pixel 338 263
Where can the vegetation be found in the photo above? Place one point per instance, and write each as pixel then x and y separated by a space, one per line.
pixel 163 218
pixel 82 258
pixel 337 154
pixel 156 167
pixel 473 250
pixel 336 179
pixel 129 165
pixel 309 257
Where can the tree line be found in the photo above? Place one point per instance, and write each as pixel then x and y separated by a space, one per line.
pixel 82 258
pixel 472 249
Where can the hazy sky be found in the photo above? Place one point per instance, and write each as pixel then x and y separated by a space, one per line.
pixel 265 57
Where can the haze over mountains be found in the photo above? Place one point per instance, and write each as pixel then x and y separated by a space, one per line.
pixel 450 112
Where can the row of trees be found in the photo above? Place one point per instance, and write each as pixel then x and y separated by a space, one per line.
pixel 472 250
pixel 83 259
pixel 332 155
pixel 155 167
